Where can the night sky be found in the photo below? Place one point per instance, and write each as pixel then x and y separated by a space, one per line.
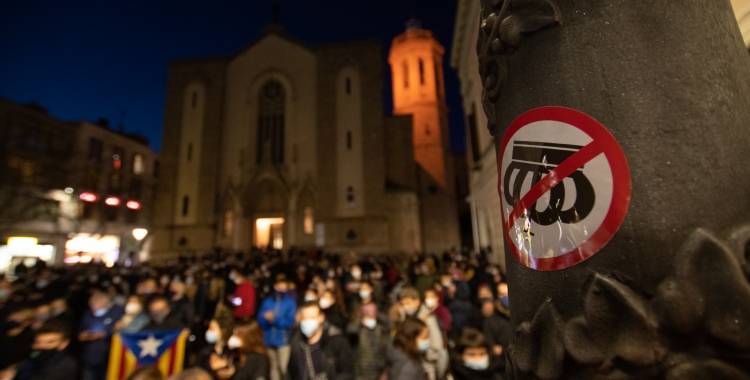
pixel 85 59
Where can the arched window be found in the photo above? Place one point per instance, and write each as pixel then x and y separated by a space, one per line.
pixel 271 121
pixel 348 86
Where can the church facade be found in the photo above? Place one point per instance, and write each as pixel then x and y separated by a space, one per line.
pixel 286 145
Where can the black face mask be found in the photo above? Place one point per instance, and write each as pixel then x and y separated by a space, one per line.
pixel 159 318
pixel 41 356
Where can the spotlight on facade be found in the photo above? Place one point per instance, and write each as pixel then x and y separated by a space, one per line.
pixel 68 190
pixel 140 233
pixel 112 201
pixel 133 205
pixel 88 197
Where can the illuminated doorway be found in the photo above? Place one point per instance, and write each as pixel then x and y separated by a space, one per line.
pixel 269 232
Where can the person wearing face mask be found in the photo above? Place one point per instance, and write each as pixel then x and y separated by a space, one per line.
pixel 164 281
pixel 216 355
pixel 369 339
pixel 182 309
pixel 135 317
pixel 49 359
pixel 43 313
pixel 243 298
pixel 433 303
pixel 252 362
pixel 333 310
pixel 496 328
pixel 321 350
pixel 95 335
pixel 352 283
pixel 406 353
pixel 472 360
pixel 436 355
pixel 276 317
pixel 15 342
pixel 160 315
pixel 503 304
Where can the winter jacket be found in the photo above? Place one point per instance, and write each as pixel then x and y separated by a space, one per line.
pixel 277 333
pixel 256 367
pixel 59 367
pixel 96 352
pixel 437 355
pixel 498 330
pixel 370 347
pixel 246 292
pixel 338 357
pixel 460 307
pixel 402 367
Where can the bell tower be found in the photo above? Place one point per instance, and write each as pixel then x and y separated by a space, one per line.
pixel 416 61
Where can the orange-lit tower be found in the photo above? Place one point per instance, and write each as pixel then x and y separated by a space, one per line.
pixel 416 60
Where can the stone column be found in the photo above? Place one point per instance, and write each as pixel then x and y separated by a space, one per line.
pixel 668 296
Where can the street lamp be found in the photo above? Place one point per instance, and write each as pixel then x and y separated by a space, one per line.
pixel 140 233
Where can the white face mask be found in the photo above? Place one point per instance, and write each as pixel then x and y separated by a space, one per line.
pixel 423 345
pixel 411 310
pixel 234 342
pixel 479 365
pixel 309 298
pixel 369 323
pixel 431 303
pixel 309 327
pixel 356 274
pixel 325 303
pixel 364 294
pixel 132 308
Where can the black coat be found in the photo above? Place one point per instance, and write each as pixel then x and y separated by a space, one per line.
pixel 498 330
pixel 169 324
pixel 14 349
pixel 257 367
pixel 183 311
pixel 338 356
pixel 59 367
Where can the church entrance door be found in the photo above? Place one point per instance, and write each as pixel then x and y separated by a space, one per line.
pixel 269 233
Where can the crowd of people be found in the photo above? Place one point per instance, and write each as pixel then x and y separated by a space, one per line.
pixel 262 315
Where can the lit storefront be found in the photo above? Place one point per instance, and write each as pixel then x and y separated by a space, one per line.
pixel 85 248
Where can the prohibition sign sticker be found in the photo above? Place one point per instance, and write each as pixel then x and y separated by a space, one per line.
pixel 564 186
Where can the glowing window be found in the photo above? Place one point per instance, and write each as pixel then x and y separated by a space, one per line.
pixel 308 221
pixel 138 166
pixel 228 223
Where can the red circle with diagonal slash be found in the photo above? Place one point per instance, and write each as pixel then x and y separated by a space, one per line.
pixel 603 142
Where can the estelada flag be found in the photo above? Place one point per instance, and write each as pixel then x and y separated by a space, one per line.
pixel 164 349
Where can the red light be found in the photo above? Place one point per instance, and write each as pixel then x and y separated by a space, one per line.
pixel 133 205
pixel 88 197
pixel 112 201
